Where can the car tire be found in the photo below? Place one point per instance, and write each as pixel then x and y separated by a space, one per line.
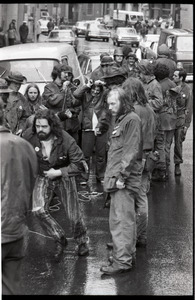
pixel 107 40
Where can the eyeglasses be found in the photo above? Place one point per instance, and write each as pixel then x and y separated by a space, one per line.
pixel 105 66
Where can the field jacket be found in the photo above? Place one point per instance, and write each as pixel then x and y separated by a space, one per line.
pixel 18 173
pixel 91 105
pixel 125 154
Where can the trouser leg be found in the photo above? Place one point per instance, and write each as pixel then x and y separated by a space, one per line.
pixel 88 141
pixel 69 196
pixel 122 222
pixel 100 152
pixel 141 205
pixel 12 256
pixel 178 135
pixel 168 142
pixel 53 229
pixel 160 147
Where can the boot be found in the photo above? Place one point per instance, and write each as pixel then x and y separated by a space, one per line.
pixel 177 170
pixel 160 175
pixel 83 249
pixel 60 245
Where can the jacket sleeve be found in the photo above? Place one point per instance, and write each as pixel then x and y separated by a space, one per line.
pixel 80 92
pixel 155 97
pixel 189 107
pixel 131 147
pixel 51 96
pixel 76 157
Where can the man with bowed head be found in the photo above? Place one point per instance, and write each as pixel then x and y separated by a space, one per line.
pixel 60 159
pixel 122 179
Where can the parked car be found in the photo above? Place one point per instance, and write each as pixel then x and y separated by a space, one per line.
pixel 147 43
pixel 97 31
pixel 63 36
pixel 36 61
pixel 151 52
pixel 89 60
pixel 126 35
pixel 88 63
pixel 80 28
pixel 180 43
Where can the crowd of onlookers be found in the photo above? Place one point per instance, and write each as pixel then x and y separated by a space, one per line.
pixel 128 114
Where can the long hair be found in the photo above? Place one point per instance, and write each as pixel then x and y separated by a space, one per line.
pixel 53 121
pixel 32 85
pixel 126 104
pixel 135 90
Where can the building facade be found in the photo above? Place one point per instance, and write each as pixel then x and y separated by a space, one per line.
pixel 73 12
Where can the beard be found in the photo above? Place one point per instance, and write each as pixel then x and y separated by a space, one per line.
pixel 43 136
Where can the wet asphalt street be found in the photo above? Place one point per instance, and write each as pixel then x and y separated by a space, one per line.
pixel 164 268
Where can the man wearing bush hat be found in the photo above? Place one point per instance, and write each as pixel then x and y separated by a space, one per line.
pixel 58 97
pixel 155 98
pixel 131 64
pixel 17 109
pixel 105 62
pixel 115 76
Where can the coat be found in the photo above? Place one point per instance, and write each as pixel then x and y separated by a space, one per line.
pixel 57 100
pixel 125 154
pixel 17 111
pixel 18 173
pixel 91 105
pixel 23 31
pixel 167 114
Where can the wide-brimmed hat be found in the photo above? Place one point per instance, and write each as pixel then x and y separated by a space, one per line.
pixel 103 54
pixel 67 69
pixel 107 60
pixel 132 55
pixel 16 77
pixel 115 72
pixel 4 86
pixel 145 67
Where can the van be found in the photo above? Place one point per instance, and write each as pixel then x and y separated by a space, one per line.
pixel 36 61
pixel 123 18
pixel 180 44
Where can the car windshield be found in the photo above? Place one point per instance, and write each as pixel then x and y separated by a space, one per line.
pixel 34 70
pixel 60 34
pixel 126 31
pixel 185 43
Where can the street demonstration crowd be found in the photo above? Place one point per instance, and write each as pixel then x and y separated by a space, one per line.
pixel 127 115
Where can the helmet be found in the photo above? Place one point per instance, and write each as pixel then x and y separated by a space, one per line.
pixel 118 51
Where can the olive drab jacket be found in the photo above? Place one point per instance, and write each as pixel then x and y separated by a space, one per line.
pixel 18 174
pixel 125 154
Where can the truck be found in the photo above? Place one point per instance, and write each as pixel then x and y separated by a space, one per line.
pixel 123 18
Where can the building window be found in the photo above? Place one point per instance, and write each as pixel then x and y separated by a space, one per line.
pixel 89 8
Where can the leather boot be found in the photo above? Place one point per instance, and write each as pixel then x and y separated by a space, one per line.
pixel 177 170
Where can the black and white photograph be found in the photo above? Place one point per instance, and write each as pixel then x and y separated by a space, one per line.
pixel 96 149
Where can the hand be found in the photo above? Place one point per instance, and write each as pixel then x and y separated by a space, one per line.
pixel 85 166
pixel 120 184
pixel 97 131
pixel 19 132
pixel 185 129
pixel 65 84
pixel 68 113
pixel 52 173
pixel 89 83
pixel 99 82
